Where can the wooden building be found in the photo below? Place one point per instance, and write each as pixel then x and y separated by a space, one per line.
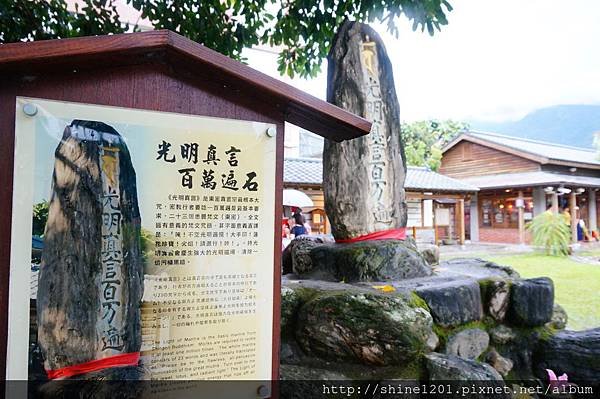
pixel 518 179
pixel 436 203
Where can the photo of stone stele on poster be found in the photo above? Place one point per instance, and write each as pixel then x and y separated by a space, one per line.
pixel 150 248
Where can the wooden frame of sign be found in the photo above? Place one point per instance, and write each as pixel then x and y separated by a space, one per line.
pixel 155 71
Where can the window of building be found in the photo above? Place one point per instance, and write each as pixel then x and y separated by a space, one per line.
pixel 501 211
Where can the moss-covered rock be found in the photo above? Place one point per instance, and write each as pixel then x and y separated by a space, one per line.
pixel 519 344
pixel 453 303
pixel 559 318
pixel 364 328
pixel 296 256
pixel 291 300
pixel 380 260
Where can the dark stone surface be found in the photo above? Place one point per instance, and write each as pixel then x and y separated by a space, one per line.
pixel 458 374
pixel 576 353
pixel 301 260
pixel 296 256
pixel 364 328
pixel 294 372
pixel 454 303
pixel 114 383
pixel 531 302
pixel 431 253
pixel 69 298
pixel 498 362
pixel 468 344
pixel 380 260
pixel 477 268
pixel 454 368
pixel 518 346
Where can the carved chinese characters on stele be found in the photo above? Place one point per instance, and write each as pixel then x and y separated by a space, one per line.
pixel 363 178
pixel 109 327
pixel 90 280
pixel 381 206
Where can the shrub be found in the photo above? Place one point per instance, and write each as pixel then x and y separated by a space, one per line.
pixel 551 232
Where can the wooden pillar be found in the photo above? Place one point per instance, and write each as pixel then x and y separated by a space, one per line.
pixel 435 231
pixel 521 209
pixel 592 221
pixel 474 217
pixel 539 201
pixel 554 203
pixel 572 211
pixel 460 215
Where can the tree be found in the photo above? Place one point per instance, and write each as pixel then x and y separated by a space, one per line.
pixel 424 140
pixel 303 29
pixel 40 217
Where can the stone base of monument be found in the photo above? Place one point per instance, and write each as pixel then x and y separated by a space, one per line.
pixel 470 319
pixel 116 382
pixel 378 260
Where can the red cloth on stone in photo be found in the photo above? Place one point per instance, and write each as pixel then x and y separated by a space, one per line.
pixel 122 360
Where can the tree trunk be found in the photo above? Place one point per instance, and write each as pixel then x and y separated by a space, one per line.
pixel 363 179
pixel 91 276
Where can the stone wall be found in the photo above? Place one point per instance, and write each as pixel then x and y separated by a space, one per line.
pixel 470 320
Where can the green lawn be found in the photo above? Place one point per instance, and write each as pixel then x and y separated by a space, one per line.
pixel 577 286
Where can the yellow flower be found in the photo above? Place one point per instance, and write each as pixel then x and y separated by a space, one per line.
pixel 384 288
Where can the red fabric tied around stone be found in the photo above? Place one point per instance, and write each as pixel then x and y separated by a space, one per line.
pixel 392 234
pixel 123 360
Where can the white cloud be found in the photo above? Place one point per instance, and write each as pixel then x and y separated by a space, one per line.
pixel 496 60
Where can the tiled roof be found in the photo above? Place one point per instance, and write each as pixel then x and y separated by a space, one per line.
pixel 310 171
pixel 303 170
pixel 424 179
pixel 530 179
pixel 550 151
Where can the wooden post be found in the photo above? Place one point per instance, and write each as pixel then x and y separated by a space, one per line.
pixel 460 215
pixel 521 210
pixel 554 203
pixel 572 211
pixel 435 232
pixel 592 221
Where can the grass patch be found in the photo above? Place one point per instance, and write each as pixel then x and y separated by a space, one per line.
pixel 576 285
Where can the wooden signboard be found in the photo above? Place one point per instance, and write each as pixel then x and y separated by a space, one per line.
pixel 142 178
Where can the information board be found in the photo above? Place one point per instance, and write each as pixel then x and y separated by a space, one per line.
pixel 151 242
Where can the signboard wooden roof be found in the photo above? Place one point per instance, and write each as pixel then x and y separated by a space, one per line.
pixel 189 59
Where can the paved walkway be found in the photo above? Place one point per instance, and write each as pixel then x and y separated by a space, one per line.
pixel 477 250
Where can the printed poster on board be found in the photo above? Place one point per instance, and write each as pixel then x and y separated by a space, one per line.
pixel 142 242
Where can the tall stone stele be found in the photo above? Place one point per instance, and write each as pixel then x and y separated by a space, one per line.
pixel 363 179
pixel 91 275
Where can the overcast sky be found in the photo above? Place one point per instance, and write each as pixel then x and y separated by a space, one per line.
pixel 496 60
